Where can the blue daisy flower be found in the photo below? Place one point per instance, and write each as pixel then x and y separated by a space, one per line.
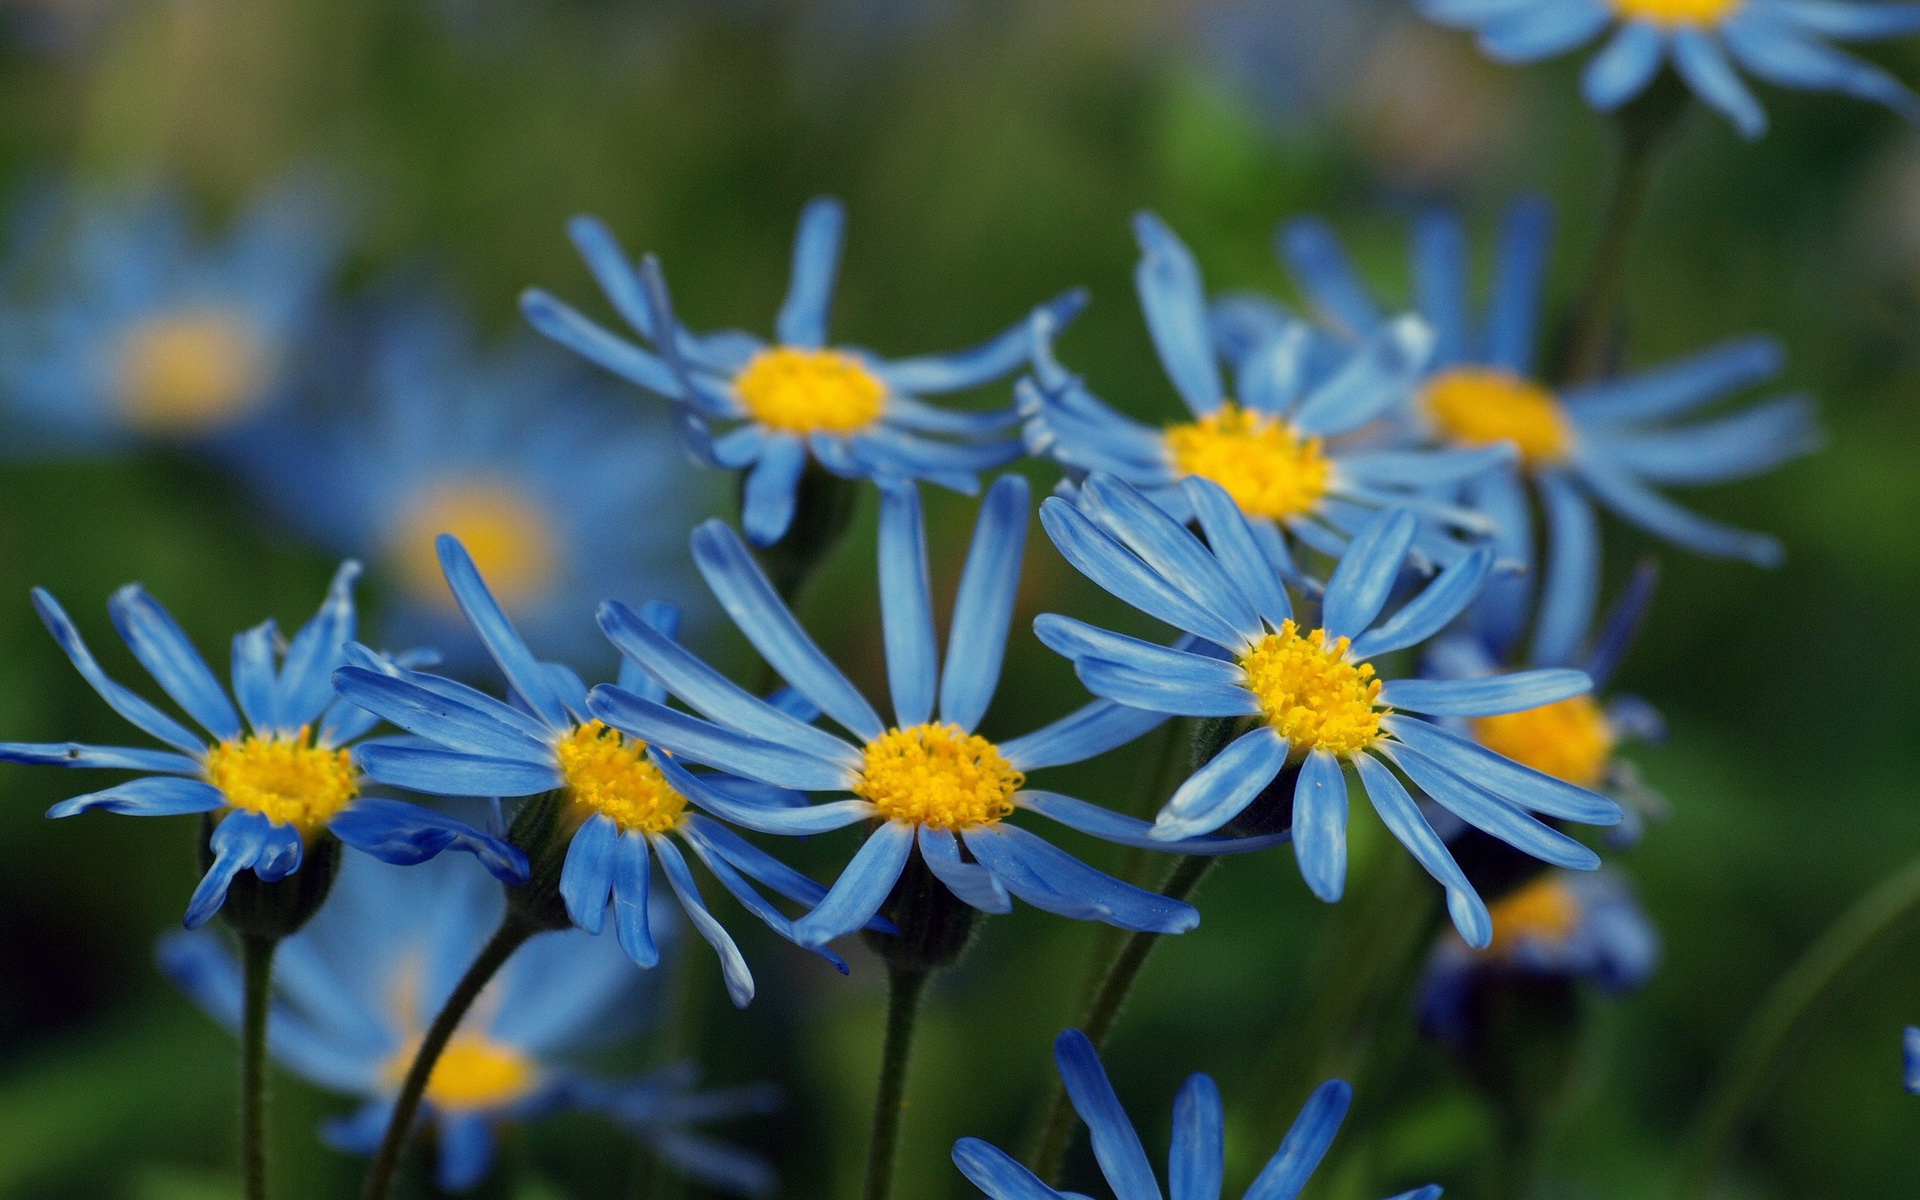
pixel 1310 693
pixel 128 326
pixel 856 414
pixel 621 814
pixel 512 452
pixel 1610 442
pixel 1782 42
pixel 1196 1161
pixel 925 781
pixel 282 777
pixel 356 989
pixel 1282 450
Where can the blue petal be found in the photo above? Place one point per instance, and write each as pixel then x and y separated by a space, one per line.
pixel 1320 825
pixel 1502 776
pixel 586 878
pixel 1174 301
pixel 456 772
pixel 1624 67
pixel 1733 447
pixel 905 412
pixel 1103 560
pixel 1054 881
pixel 502 641
pixel 1402 817
pixel 1706 70
pixel 1377 379
pixel 1170 549
pixel 1321 267
pixel 306 674
pixel 1116 1145
pixel 1077 640
pixel 200 965
pixel 1850 22
pixel 1423 468
pixel 862 887
pixel 1910 1055
pixel 254 684
pixel 970 882
pixel 750 899
pixel 1501 611
pixel 816 260
pixel 155 796
pixel 1441 282
pixel 563 324
pixel 113 758
pixel 129 705
pixel 630 884
pixel 1001 355
pixel 1366 572
pixel 1083 733
pixel 239 841
pixel 465 1143
pixel 162 647
pixel 1196 1161
pixel 983 607
pixel 1110 826
pixel 406 835
pixel 716 746
pixel 1491 696
pixel 1571 586
pixel 1778 53
pixel 996 1173
pixel 1237 549
pixel 611 269
pixel 1678 388
pixel 445 717
pixel 1429 612
pixel 808 819
pixel 1519 274
pixel 1487 812
pixel 906 606
pixel 767 506
pixel 719 841
pixel 1544 29
pixel 1656 514
pixel 1305 1144
pixel 1190 697
pixel 1617 632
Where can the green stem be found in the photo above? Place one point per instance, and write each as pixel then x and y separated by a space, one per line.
pixel 1873 919
pixel 406 1106
pixel 256 958
pixel 904 987
pixel 1050 1147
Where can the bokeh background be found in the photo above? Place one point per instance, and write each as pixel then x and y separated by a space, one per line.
pixel 989 152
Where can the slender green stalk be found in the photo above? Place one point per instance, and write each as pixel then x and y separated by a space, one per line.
pixel 256 964
pixel 1116 981
pixel 513 932
pixel 904 986
pixel 1749 1066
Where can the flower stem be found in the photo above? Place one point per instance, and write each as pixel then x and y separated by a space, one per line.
pixel 512 933
pixel 1116 981
pixel 1749 1066
pixel 904 986
pixel 256 958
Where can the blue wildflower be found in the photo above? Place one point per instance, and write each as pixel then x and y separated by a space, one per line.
pixel 621 811
pixel 1196 1161
pixel 286 775
pixel 1310 694
pixel 926 780
pixel 858 415
pixel 356 989
pixel 1782 42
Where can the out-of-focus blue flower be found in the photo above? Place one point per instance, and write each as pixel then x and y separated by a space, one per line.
pixel 1278 448
pixel 1308 698
pixel 127 325
pixel 356 989
pixel 1782 42
pixel 923 779
pixel 621 811
pixel 661 1108
pixel 285 775
pixel 1561 927
pixel 1196 1161
pixel 562 500
pixel 1611 442
pixel 856 414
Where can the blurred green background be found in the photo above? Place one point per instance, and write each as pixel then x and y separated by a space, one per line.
pixel 990 154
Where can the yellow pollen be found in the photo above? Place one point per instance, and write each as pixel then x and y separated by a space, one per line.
pixel 1676 12
pixel 1545 910
pixel 1568 739
pixel 190 372
pixel 1481 406
pixel 1312 693
pixel 937 775
pixel 510 539
pixel 288 780
pixel 475 1073
pixel 810 391
pixel 609 773
pixel 1268 469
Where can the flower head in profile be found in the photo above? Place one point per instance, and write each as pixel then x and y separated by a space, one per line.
pixel 620 812
pixel 1196 1161
pixel 356 990
pixel 926 779
pixel 278 771
pixel 125 325
pixel 1283 446
pixel 1306 689
pixel 1706 42
pixel 768 409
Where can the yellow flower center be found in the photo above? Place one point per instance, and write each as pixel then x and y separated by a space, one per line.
pixel 1312 693
pixel 190 372
pixel 1676 12
pixel 1545 910
pixel 1568 739
pixel 1268 469
pixel 288 780
pixel 937 775
pixel 1481 406
pixel 609 773
pixel 475 1073
pixel 511 541
pixel 810 391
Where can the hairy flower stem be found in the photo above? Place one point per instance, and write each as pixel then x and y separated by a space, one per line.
pixel 904 986
pixel 256 959
pixel 513 932
pixel 1873 920
pixel 1117 980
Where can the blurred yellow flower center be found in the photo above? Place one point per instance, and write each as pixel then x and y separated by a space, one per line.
pixel 810 391
pixel 1676 12
pixel 190 372
pixel 938 775
pixel 608 772
pixel 1568 739
pixel 1545 910
pixel 1312 693
pixel 288 780
pixel 510 539
pixel 1268 469
pixel 475 1073
pixel 1481 406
